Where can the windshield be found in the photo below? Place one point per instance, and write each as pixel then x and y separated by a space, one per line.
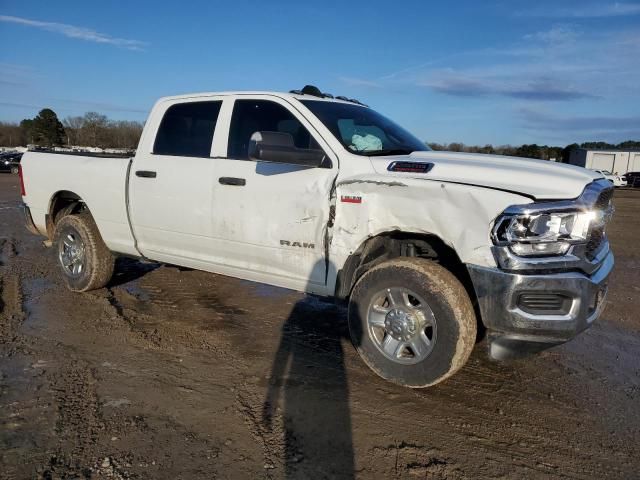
pixel 364 131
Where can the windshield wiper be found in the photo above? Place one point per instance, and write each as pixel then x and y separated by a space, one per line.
pixel 389 151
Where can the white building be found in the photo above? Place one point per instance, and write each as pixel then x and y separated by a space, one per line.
pixel 615 161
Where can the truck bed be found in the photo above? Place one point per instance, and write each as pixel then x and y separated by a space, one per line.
pixel 99 180
pixel 87 154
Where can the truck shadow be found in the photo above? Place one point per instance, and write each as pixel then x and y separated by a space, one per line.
pixel 307 399
pixel 129 269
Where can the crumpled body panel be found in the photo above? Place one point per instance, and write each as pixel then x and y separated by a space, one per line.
pixel 460 215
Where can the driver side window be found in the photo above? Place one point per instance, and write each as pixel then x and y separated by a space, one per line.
pixel 250 116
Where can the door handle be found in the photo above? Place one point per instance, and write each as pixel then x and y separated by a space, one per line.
pixel 236 182
pixel 145 174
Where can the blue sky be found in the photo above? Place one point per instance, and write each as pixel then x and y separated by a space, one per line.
pixel 477 72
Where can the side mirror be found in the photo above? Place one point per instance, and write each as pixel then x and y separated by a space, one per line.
pixel 278 147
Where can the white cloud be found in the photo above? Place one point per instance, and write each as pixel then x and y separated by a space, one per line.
pixel 613 129
pixel 555 35
pixel 15 75
pixel 584 77
pixel 80 33
pixel 586 10
pixel 540 88
pixel 359 82
pixel 561 63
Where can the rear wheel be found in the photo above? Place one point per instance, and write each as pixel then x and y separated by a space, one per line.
pixel 412 322
pixel 85 261
pixel 15 170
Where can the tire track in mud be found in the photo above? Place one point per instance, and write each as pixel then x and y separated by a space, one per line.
pixel 8 250
pixel 533 420
pixel 26 401
pixel 402 460
pixel 529 433
pixel 167 311
pixel 79 422
pixel 11 298
pixel 130 309
pixel 75 419
pixel 82 430
pixel 167 291
pixel 174 289
pixel 267 429
pixel 198 317
pixel 151 324
pixel 3 241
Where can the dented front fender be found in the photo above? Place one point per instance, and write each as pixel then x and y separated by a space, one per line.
pixel 460 215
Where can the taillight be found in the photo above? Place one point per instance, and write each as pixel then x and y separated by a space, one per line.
pixel 22 191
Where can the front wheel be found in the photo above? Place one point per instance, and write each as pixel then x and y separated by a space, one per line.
pixel 15 170
pixel 85 261
pixel 412 322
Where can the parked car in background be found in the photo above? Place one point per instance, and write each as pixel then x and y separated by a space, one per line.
pixel 632 179
pixel 617 180
pixel 10 162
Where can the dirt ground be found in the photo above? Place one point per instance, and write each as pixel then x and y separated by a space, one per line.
pixel 173 373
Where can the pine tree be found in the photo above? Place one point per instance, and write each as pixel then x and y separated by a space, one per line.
pixel 46 129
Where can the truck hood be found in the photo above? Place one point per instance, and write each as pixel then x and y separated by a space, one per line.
pixel 539 179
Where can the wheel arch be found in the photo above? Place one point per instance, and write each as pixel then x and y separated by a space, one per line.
pixel 63 202
pixel 394 244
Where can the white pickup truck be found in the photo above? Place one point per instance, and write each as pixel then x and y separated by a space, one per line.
pixel 325 195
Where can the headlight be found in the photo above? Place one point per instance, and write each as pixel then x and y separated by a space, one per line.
pixel 544 233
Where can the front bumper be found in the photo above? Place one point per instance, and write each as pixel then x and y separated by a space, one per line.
pixel 513 331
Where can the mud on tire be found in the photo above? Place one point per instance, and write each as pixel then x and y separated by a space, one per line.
pixel 454 322
pixel 80 233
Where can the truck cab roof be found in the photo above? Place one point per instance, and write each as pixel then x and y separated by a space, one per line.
pixel 294 94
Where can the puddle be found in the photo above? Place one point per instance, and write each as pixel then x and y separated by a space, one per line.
pixel 9 205
pixel 36 312
pixel 117 403
pixel 137 291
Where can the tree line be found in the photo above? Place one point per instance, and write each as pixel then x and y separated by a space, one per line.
pixel 97 130
pixel 89 130
pixel 543 152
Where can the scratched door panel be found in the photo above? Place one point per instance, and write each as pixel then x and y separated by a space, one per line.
pixel 276 222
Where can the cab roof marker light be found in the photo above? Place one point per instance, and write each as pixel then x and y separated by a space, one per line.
pixel 315 92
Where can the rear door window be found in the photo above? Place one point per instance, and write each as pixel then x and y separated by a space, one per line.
pixel 187 129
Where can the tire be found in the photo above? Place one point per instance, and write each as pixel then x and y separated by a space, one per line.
pixel 84 260
pixel 15 170
pixel 430 304
pixel 63 212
